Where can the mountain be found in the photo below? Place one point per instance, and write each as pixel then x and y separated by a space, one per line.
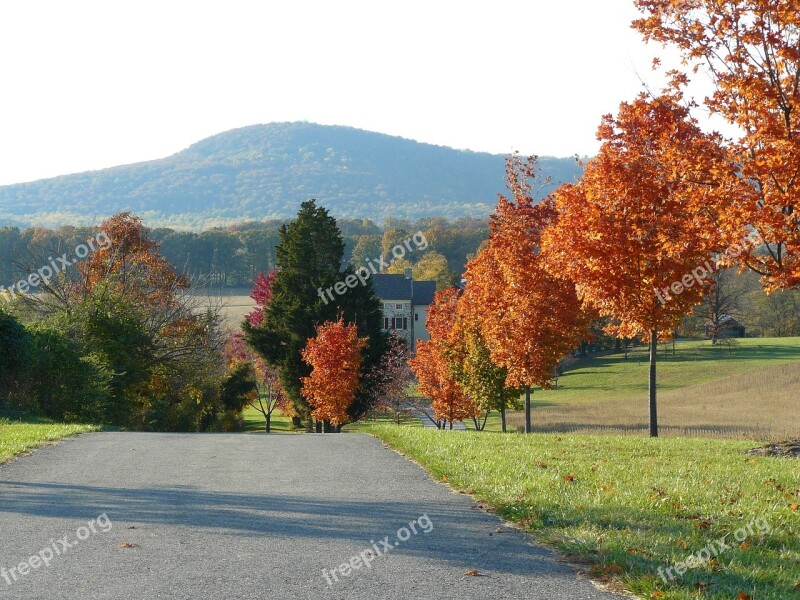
pixel 266 171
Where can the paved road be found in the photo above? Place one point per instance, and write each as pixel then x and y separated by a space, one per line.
pixel 253 516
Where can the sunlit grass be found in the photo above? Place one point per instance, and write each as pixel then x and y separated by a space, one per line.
pixel 626 506
pixel 17 437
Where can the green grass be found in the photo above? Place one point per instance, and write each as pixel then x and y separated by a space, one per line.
pixel 625 506
pixel 18 436
pixel 612 377
pixel 382 419
pixel 254 421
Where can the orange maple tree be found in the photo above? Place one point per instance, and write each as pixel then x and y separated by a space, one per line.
pixel 335 359
pixel 529 318
pixel 750 49
pixel 432 366
pixel 631 234
pixel 131 261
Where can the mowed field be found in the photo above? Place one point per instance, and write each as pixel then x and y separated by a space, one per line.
pixel 233 303
pixel 747 391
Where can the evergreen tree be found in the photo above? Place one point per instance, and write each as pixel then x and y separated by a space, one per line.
pixel 309 258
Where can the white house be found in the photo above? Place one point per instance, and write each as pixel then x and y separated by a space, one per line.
pixel 405 305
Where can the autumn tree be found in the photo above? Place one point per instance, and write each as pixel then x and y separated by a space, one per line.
pixel 309 261
pixel 433 367
pixel 631 234
pixel 530 319
pixel 393 378
pixel 266 394
pixel 334 357
pixel 262 294
pixel 750 49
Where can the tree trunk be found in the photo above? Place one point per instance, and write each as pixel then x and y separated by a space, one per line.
pixel 528 426
pixel 653 407
pixel 297 422
pixel 503 417
pixel 268 419
pixel 319 427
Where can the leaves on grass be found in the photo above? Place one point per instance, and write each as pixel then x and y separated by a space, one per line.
pixel 743 596
pixel 569 478
pixel 701 586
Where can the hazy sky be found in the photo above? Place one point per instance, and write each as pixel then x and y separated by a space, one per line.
pixel 87 85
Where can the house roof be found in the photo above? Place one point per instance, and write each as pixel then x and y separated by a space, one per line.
pixel 398 287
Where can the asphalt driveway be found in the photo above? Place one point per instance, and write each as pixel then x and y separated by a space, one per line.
pixel 145 516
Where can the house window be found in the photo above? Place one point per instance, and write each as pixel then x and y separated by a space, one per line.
pixel 386 323
pixel 416 316
pixel 398 307
pixel 400 323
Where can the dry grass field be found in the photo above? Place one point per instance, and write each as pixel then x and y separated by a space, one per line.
pixel 762 404
pixel 233 304
pixel 754 402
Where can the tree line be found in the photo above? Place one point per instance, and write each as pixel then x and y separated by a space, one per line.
pixel 234 256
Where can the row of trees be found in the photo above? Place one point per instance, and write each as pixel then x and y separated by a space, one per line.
pixel 659 201
pixel 235 255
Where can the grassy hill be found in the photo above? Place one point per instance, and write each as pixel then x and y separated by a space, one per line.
pixel 266 171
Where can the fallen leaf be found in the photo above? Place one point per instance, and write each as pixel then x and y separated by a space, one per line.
pixel 744 545
pixel 657 595
pixel 128 545
pixel 793 506
pixel 471 573
pixel 743 596
pixel 132 527
pixel 700 585
pixel 569 478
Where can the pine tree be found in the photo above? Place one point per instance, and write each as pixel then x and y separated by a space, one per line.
pixel 309 260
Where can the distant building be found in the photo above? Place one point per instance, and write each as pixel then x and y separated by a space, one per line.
pixel 728 327
pixel 405 305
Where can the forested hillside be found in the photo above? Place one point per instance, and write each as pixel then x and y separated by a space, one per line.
pixel 266 171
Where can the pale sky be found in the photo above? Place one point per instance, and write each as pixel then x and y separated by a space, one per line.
pixel 88 85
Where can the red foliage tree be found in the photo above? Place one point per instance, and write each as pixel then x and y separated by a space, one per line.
pixel 335 359
pixel 262 294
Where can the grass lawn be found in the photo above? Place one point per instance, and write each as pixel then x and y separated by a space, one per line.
pixel 627 506
pixel 749 393
pixel 254 421
pixel 612 377
pixel 18 436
